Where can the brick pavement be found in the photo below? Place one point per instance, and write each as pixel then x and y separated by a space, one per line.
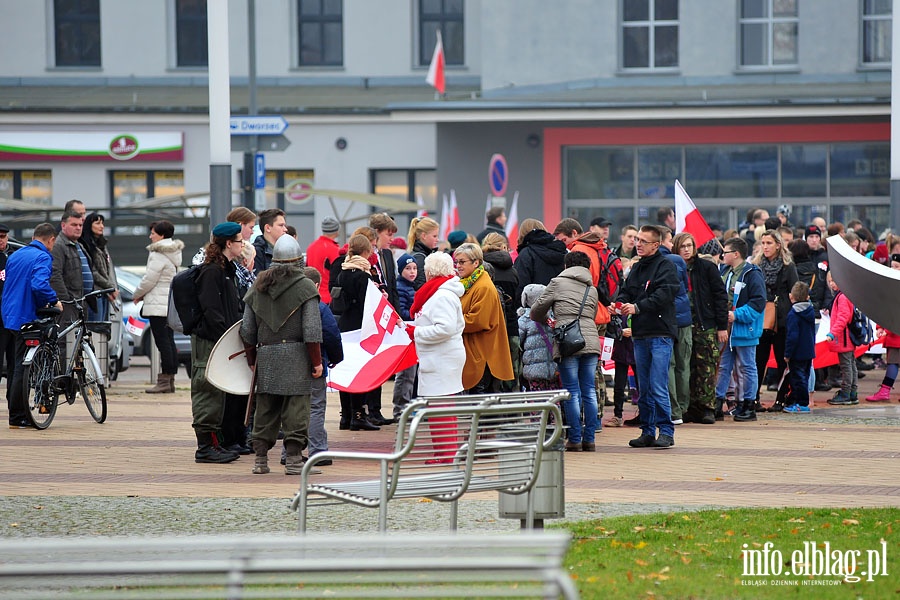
pixel 146 449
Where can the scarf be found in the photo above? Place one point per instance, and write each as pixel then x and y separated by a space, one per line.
pixel 471 279
pixel 424 293
pixel 771 269
pixel 356 262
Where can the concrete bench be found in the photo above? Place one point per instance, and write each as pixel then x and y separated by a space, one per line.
pixel 446 447
pixel 524 565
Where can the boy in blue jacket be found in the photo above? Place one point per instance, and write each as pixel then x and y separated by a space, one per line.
pixel 799 347
pixel 746 287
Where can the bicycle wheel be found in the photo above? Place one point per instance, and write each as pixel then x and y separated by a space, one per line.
pixel 92 390
pixel 41 399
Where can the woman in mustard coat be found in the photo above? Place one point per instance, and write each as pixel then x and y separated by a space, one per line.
pixel 488 361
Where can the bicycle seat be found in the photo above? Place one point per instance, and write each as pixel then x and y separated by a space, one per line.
pixel 48 311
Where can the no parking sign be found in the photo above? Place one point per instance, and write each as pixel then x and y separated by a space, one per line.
pixel 498 175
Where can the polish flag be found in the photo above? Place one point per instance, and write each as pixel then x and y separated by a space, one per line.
pixel 454 212
pixel 688 219
pixel 423 212
pixel 376 351
pixel 435 77
pixel 445 228
pixel 512 223
pixel 135 326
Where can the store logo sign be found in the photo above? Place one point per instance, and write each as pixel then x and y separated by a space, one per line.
pixel 123 147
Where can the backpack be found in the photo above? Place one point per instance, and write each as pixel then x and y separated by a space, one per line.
pixel 610 277
pixel 338 304
pixel 859 329
pixel 184 301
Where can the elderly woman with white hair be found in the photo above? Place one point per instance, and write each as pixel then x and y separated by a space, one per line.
pixel 439 323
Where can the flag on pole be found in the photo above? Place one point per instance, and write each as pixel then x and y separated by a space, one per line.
pixel 423 212
pixel 688 219
pixel 454 212
pixel 435 77
pixel 444 229
pixel 380 348
pixel 135 326
pixel 512 222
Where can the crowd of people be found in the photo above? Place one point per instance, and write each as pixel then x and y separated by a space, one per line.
pixel 692 326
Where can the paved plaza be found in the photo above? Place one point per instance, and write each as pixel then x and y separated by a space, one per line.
pixel 837 456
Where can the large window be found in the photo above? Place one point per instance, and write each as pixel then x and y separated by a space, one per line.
pixel 128 187
pixel 445 16
pixel 30 185
pixel 321 32
pixel 76 28
pixel 412 185
pixel 649 34
pixel 768 33
pixel 191 48
pixel 876 26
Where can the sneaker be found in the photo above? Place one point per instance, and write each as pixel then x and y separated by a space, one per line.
pixel 21 424
pixel 796 409
pixel 614 422
pixel 677 421
pixel 645 441
pixel 664 441
pixel 772 387
pixel 327 462
pixel 775 408
pixel 841 399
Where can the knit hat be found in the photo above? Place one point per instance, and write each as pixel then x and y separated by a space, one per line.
pixel 812 230
pixel 399 243
pixel 456 238
pixel 404 260
pixel 226 230
pixel 286 250
pixel 531 293
pixel 330 225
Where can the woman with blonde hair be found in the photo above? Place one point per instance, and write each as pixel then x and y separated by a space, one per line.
pixel 540 255
pixel 422 241
pixel 780 273
pixel 488 360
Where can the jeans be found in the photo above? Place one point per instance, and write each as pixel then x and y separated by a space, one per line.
pixel 577 375
pixel 652 356
pixel 164 338
pixel 318 437
pixel 746 358
pixel 799 377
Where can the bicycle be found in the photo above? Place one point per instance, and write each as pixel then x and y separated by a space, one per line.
pixel 42 380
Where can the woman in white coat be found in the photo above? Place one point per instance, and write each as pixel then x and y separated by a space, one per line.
pixel 437 314
pixel 164 260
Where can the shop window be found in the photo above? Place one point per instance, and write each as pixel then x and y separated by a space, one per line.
pixel 410 185
pixel 600 173
pixel 731 171
pixel 804 170
pixel 128 187
pixel 30 185
pixel 861 169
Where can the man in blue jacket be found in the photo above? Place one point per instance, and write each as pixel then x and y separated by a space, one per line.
pixel 27 288
pixel 746 287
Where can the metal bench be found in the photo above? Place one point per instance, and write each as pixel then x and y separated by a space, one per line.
pixel 525 565
pixel 446 447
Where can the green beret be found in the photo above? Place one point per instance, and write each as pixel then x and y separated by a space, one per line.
pixel 226 230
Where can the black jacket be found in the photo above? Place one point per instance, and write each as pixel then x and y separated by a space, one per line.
pixel 710 299
pixel 540 259
pixel 389 269
pixel 492 227
pixel 354 284
pixel 219 299
pixel 779 293
pixel 506 278
pixel 263 258
pixel 810 274
pixel 652 286
pixel 419 252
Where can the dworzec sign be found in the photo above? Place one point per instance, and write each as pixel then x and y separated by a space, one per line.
pixel 258 125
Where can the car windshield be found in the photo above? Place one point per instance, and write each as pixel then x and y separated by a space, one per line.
pixel 127 279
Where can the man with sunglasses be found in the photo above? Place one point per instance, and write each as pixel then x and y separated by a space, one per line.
pixel 649 296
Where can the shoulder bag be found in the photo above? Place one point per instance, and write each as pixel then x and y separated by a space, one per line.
pixel 569 338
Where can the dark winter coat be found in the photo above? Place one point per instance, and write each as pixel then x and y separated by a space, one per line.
pixel 405 295
pixel 506 278
pixel 354 284
pixel 683 316
pixel 800 332
pixel 710 306
pixel 219 301
pixel 263 259
pixel 814 277
pixel 652 286
pixel 419 252
pixel 540 259
pixel 332 347
pixel 492 227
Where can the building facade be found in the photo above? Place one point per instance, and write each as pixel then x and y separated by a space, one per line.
pixel 597 106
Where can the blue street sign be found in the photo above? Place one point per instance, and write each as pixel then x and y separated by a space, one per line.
pixel 258 125
pixel 260 171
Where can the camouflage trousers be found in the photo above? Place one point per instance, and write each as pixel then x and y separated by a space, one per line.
pixel 704 366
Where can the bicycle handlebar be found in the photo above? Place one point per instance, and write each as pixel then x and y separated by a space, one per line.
pixel 88 295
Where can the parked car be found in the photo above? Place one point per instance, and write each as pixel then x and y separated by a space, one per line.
pixel 140 331
pixel 120 345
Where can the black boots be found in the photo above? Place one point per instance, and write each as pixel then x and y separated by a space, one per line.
pixel 361 423
pixel 747 411
pixel 209 450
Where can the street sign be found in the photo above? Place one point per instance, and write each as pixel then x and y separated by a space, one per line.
pixel 265 143
pixel 258 125
pixel 259 172
pixel 498 175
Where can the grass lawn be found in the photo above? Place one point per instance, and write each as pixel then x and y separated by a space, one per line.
pixel 702 555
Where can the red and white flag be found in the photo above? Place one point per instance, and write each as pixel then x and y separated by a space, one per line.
pixel 688 219
pixel 454 212
pixel 423 212
pixel 435 77
pixel 135 326
pixel 512 222
pixel 380 348
pixel 444 229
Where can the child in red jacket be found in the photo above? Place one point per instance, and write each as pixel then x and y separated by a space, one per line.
pixel 839 338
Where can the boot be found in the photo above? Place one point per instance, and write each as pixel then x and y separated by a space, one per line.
pixel 261 465
pixel 293 464
pixel 165 384
pixel 748 412
pixel 346 413
pixel 360 422
pixel 209 451
pixel 882 395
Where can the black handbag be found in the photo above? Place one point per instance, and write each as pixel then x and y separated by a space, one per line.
pixel 569 338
